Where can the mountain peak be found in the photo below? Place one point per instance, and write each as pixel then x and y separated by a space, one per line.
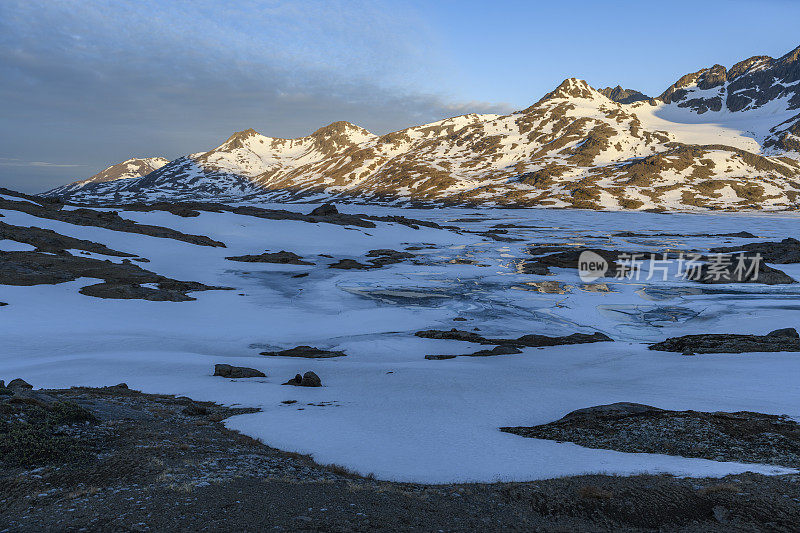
pixel 748 84
pixel 570 88
pixel 239 138
pixel 791 57
pixel 244 134
pixel 339 134
pixel 573 148
pixel 623 96
pixel 340 127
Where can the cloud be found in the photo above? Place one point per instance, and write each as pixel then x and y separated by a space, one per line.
pixel 95 82
pixel 11 162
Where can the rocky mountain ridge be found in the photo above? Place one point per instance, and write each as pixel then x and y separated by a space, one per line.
pixel 717 138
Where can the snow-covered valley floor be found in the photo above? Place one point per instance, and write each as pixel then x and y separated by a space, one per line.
pixel 385 409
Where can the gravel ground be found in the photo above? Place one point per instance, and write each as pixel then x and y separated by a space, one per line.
pixel 743 437
pixel 128 461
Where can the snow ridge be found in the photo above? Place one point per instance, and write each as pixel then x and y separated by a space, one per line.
pixel 716 139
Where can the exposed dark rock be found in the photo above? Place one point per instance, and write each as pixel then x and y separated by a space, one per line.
pixel 740 269
pixel 739 235
pixel 498 235
pixel 228 371
pixel 350 264
pixel 533 268
pixel 129 291
pixel 306 351
pixel 103 219
pixel 439 357
pixel 31 397
pixel 565 257
pixel 503 349
pixel 20 384
pixel 569 258
pixel 326 210
pixel 625 96
pixel 613 411
pixel 188 208
pixel 47 240
pixel 388 252
pixel 453 334
pixel 783 252
pixel 782 340
pixel 784 332
pixel 121 280
pixel 309 379
pixel 175 208
pixel 195 409
pixel 635 428
pixel 283 257
pixel 525 340
pixel 542 249
pixel 545 340
pixel 386 256
pixel 332 216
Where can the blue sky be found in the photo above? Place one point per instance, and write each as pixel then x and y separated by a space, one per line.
pixel 85 84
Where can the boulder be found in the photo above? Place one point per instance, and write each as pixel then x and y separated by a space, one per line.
pixel 350 264
pixel 326 210
pixel 308 352
pixel 282 258
pixel 228 371
pixel 453 334
pixel 784 332
pixel 19 384
pixel 503 349
pixel 309 379
pixel 612 411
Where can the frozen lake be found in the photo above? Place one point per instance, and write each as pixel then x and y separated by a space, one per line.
pixel 384 409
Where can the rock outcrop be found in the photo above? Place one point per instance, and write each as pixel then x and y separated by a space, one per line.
pixel 781 340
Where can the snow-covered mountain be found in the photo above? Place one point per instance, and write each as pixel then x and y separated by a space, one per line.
pixel 717 138
pixel 134 167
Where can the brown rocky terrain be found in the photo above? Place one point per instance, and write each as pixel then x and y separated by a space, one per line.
pixel 114 459
pixel 635 428
pixel 780 340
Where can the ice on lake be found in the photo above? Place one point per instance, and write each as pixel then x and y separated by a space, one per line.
pixel 396 414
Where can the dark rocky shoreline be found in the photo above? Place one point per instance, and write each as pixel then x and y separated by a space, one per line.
pixel 157 462
pixel 743 437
